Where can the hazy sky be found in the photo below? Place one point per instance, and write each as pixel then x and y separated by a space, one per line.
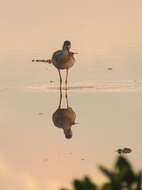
pixel 106 33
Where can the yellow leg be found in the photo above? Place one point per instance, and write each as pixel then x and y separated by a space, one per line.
pixel 60 99
pixel 66 95
pixel 60 79
pixel 66 81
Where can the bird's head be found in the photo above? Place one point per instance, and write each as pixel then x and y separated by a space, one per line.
pixel 68 133
pixel 67 45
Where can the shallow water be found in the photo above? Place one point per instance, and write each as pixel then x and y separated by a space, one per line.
pixel 36 154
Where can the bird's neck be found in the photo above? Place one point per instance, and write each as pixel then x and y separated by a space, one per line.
pixel 65 51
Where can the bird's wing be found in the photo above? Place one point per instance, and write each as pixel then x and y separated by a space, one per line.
pixel 56 55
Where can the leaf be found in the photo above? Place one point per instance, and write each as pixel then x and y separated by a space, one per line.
pixel 125 172
pixel 84 184
pixel 108 173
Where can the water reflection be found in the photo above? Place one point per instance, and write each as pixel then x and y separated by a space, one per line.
pixel 64 118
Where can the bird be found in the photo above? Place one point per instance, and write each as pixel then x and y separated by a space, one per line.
pixel 61 59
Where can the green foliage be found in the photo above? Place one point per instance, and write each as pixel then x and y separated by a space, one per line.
pixel 84 184
pixel 121 177
pixel 126 174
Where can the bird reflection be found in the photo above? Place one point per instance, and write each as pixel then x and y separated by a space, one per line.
pixel 64 118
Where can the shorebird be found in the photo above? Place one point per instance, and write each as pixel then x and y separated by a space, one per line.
pixel 62 59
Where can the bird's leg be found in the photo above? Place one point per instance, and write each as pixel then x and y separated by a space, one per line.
pixel 60 99
pixel 67 98
pixel 60 80
pixel 66 79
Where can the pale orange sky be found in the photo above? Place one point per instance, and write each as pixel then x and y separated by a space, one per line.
pixel 106 34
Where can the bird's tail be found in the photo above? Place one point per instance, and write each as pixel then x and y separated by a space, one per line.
pixel 42 60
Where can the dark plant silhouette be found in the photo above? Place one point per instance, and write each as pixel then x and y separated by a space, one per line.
pixel 121 177
pixel 83 184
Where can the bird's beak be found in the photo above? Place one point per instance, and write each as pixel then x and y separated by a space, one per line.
pixel 74 52
pixel 75 123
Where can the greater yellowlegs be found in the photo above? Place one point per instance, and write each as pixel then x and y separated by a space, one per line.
pixel 62 59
